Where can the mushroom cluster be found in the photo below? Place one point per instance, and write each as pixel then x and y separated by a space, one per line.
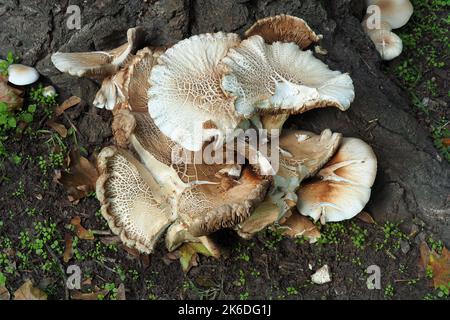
pixel 199 94
pixel 383 16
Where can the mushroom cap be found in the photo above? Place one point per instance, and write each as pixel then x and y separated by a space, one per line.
pixel 395 12
pixel 207 208
pixel 185 96
pixel 297 225
pixel 98 64
pixel 344 186
pixel 11 96
pixel 130 84
pixel 132 201
pixel 281 78
pixel 284 28
pixel 304 153
pixel 387 43
pixel 22 75
pixel 384 25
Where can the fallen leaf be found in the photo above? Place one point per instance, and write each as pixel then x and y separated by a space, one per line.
pixel 189 255
pixel 58 127
pixel 69 103
pixel 68 251
pixel 79 180
pixel 424 256
pixel 446 142
pixel 364 216
pixel 78 295
pixel 81 232
pixel 28 292
pixel 297 225
pixel 11 96
pixel 4 294
pixel 121 292
pixel 440 264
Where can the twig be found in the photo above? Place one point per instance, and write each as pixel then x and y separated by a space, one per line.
pixel 61 270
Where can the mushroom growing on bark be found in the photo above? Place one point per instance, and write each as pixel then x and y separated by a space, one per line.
pixel 342 187
pixel 389 14
pixel 99 64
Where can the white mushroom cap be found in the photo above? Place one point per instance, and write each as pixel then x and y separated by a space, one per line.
pixel 395 12
pixel 22 75
pixel 284 28
pixel 98 64
pixel 49 91
pixel 186 97
pixel 387 43
pixel 281 78
pixel 345 185
pixel 132 201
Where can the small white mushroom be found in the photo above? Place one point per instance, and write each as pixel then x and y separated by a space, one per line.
pixel 22 75
pixel 322 275
pixel 387 43
pixel 49 91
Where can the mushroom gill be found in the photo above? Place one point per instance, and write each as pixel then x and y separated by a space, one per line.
pixel 99 64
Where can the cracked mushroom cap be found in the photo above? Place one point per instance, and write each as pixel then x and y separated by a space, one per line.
pixel 281 78
pixel 303 153
pixel 132 201
pixel 22 75
pixel 130 84
pixel 284 28
pixel 210 196
pixel 387 43
pixel 343 186
pixel 186 97
pixel 395 12
pixel 98 64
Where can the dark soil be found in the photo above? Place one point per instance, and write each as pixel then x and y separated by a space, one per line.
pixel 268 266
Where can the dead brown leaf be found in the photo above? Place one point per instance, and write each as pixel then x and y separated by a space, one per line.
pixel 11 96
pixel 68 251
pixel 58 127
pixel 424 256
pixel 79 180
pixel 81 232
pixel 364 216
pixel 297 225
pixel 69 103
pixel 440 264
pixel 446 142
pixel 28 292
pixel 78 295
pixel 4 294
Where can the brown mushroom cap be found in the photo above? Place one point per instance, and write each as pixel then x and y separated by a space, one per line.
pixel 99 64
pixel 284 28
pixel 344 186
pixel 300 226
pixel 132 201
pixel 221 200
